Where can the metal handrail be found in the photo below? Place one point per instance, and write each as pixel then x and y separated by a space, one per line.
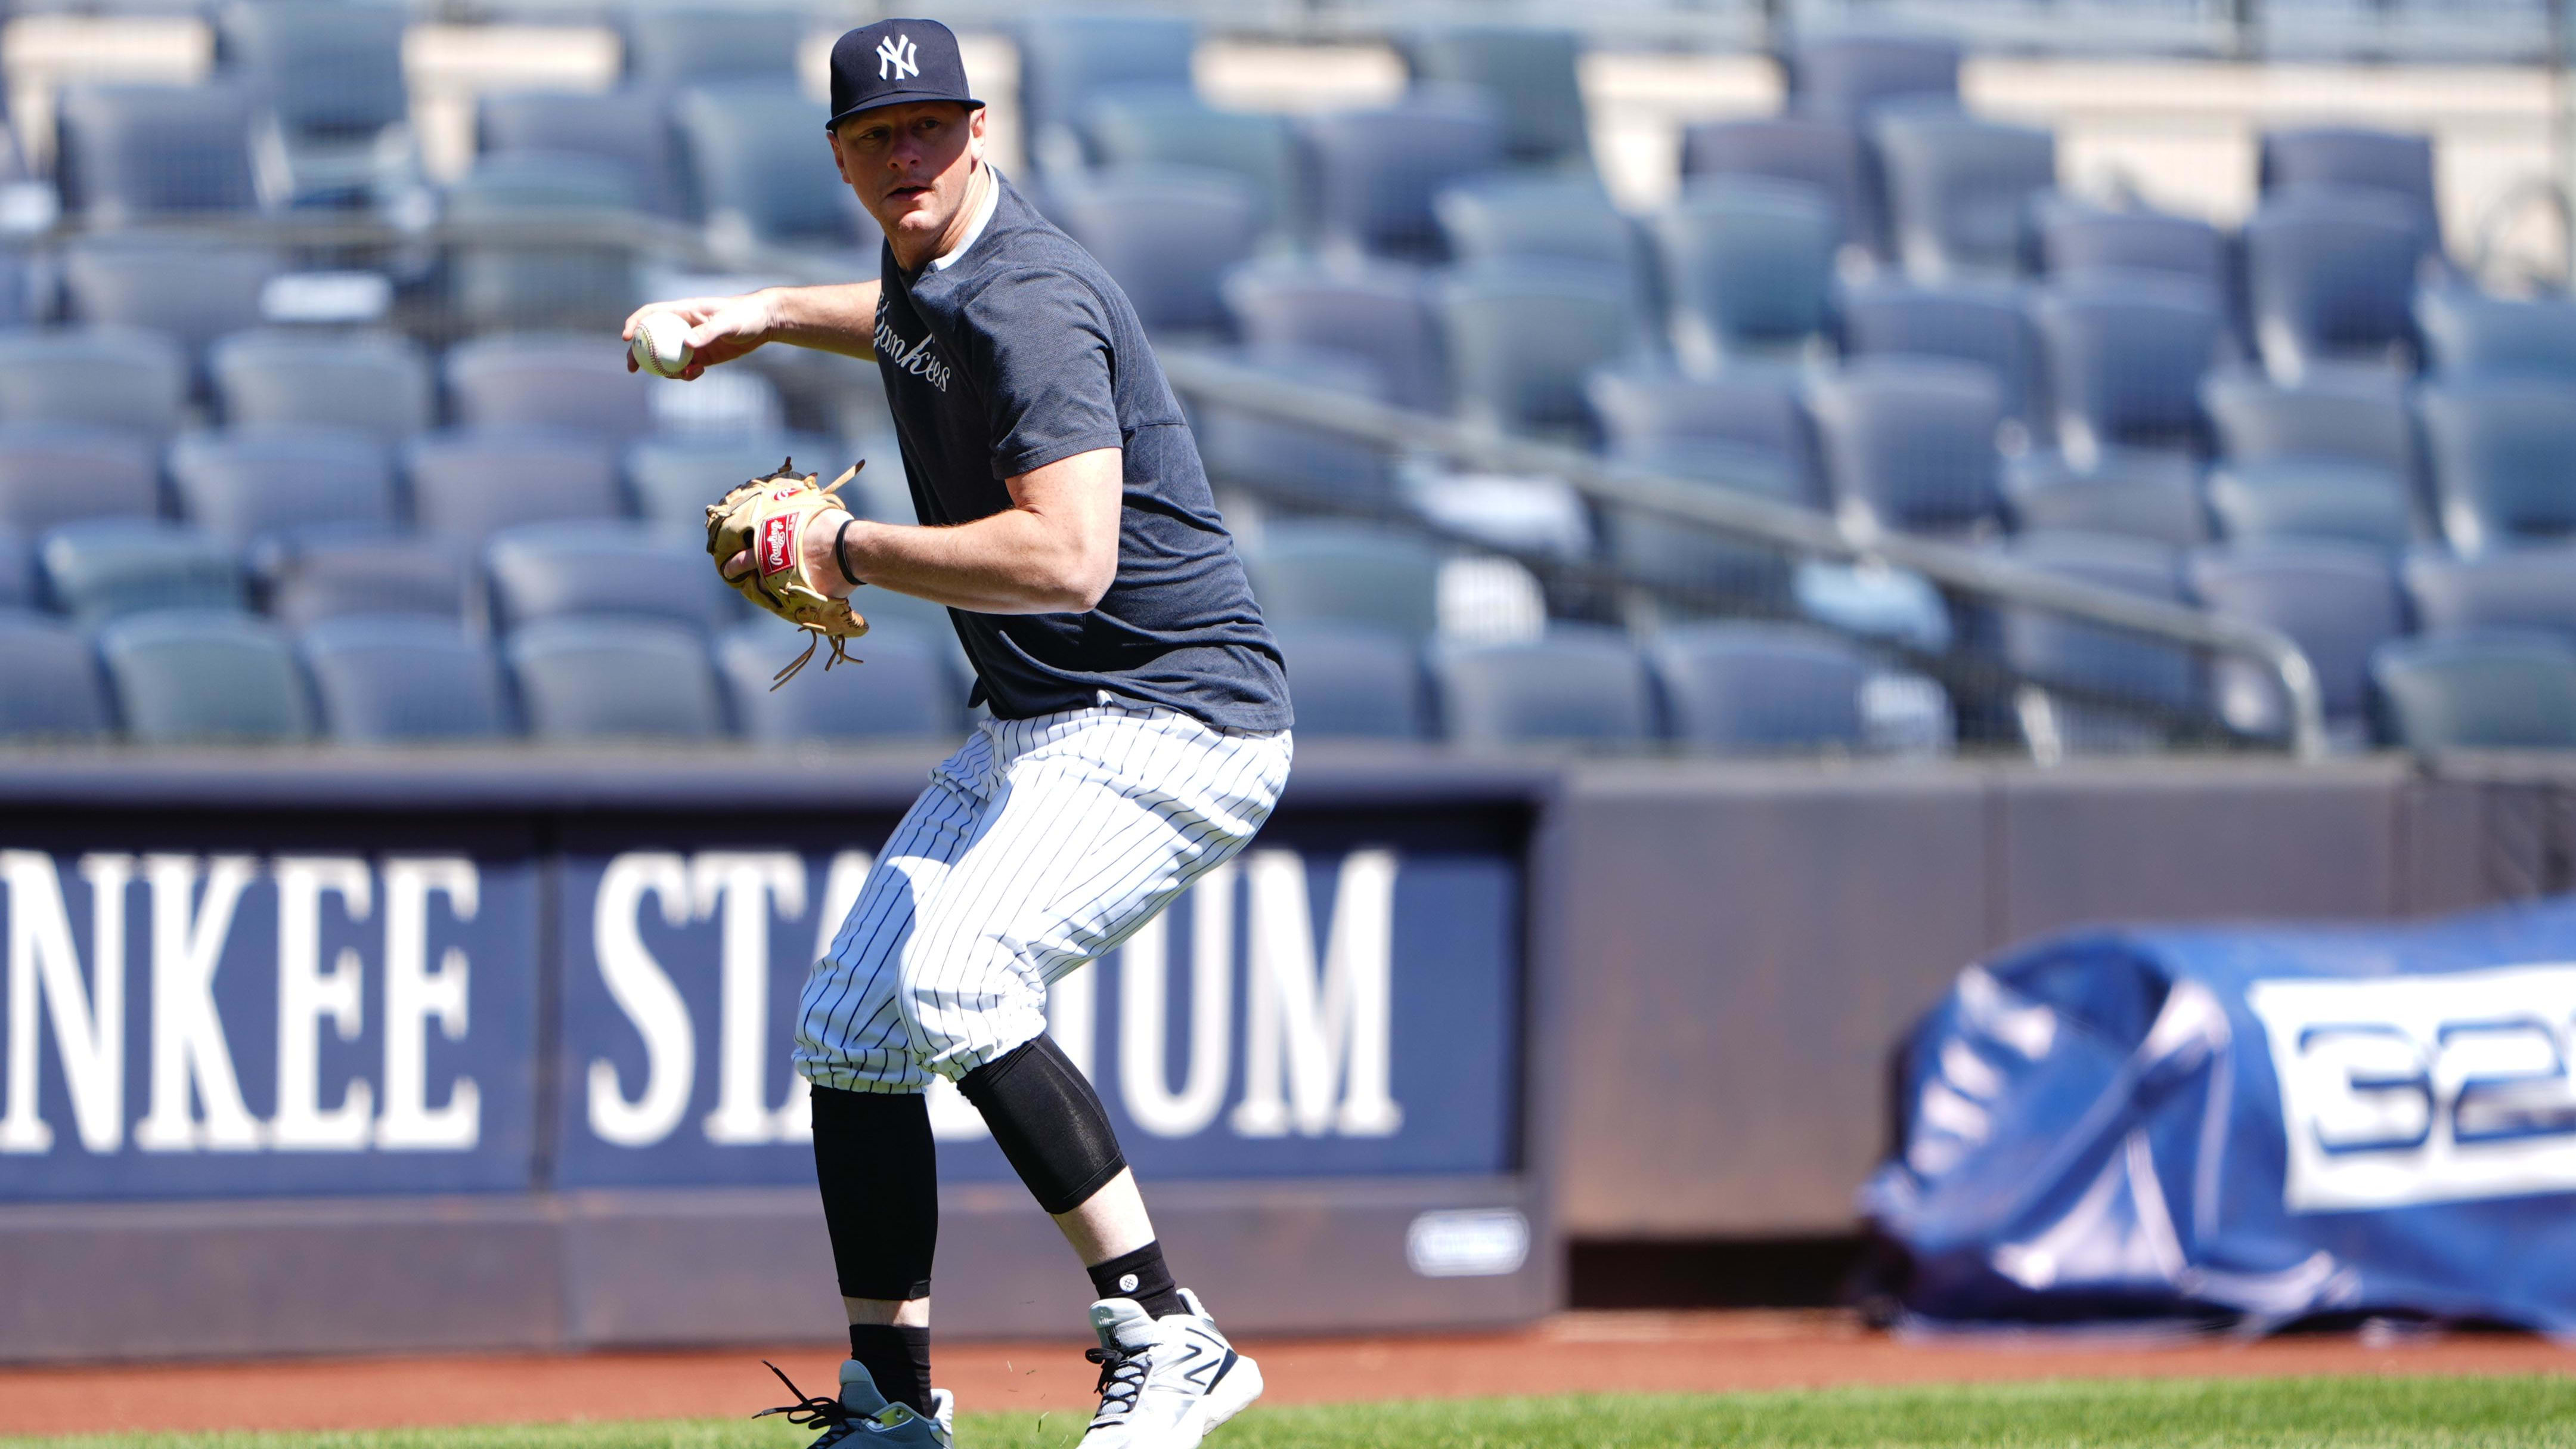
pixel 1785 526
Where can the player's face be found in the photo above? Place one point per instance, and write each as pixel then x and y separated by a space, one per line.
pixel 910 166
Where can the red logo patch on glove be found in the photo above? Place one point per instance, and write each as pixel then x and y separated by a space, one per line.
pixel 778 544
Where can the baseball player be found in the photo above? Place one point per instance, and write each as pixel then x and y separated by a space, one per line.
pixel 1139 731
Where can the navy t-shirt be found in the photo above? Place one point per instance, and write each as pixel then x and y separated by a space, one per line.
pixel 1020 352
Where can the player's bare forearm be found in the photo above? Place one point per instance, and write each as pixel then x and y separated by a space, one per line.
pixel 839 318
pixel 1054 551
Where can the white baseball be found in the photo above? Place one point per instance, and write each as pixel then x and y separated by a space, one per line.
pixel 661 345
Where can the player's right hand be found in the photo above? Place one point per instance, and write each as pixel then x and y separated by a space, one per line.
pixel 720 328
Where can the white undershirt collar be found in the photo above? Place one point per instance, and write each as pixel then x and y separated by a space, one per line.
pixel 974 229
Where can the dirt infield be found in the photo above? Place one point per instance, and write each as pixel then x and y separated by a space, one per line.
pixel 1577 1351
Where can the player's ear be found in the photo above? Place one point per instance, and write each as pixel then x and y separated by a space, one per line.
pixel 975 131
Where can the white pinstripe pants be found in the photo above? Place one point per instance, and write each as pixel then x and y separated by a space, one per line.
pixel 1039 845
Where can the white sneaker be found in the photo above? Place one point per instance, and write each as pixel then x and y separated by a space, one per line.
pixel 864 1417
pixel 1164 1382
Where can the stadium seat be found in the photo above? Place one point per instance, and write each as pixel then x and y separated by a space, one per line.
pixel 1291 462
pixel 2470 336
pixel 1068 59
pixel 1747 272
pixel 612 128
pixel 1346 573
pixel 133 153
pixel 57 472
pixel 193 291
pixel 1552 217
pixel 2330 278
pixel 2132 492
pixel 2358 416
pixel 1649 410
pixel 1848 77
pixel 2488 690
pixel 583 679
pixel 1574 686
pixel 746 146
pixel 2396 166
pixel 2126 353
pixel 903 690
pixel 573 381
pixel 106 567
pixel 1530 71
pixel 1802 150
pixel 1985 324
pixel 1351 681
pixel 1373 173
pixel 193 676
pixel 671 46
pixel 243 484
pixel 384 679
pixel 117 377
pixel 2075 239
pixel 2532 588
pixel 378 382
pixel 329 574
pixel 1380 312
pixel 1715 570
pixel 1155 129
pixel 2312 498
pixel 54 689
pixel 1759 688
pixel 1166 237
pixel 2057 650
pixel 673 479
pixel 328 78
pixel 470 482
pixel 2336 602
pixel 1520 339
pixel 1909 445
pixel 1961 192
pixel 540 281
pixel 599 566
pixel 2502 454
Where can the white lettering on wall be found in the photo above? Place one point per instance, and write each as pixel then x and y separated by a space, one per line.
pixel 642 990
pixel 89 1022
pixel 1316 1049
pixel 306 993
pixel 192 1065
pixel 1144 990
pixel 414 995
pixel 740 889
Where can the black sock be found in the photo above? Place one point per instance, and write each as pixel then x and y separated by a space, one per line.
pixel 898 1358
pixel 1140 1275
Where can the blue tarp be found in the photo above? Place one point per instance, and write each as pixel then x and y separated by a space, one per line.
pixel 2247 1124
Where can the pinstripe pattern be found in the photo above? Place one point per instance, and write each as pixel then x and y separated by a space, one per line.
pixel 1039 845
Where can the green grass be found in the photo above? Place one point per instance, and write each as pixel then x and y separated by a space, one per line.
pixel 2398 1413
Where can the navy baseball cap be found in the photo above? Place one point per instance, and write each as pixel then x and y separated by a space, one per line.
pixel 894 61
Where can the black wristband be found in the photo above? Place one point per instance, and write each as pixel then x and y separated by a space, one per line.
pixel 841 557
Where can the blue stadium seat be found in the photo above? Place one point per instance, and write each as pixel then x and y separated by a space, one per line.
pixel 1801 150
pixel 1644 411
pixel 1575 686
pixel 2059 650
pixel 56 472
pixel 2312 498
pixel 1166 237
pixel 469 482
pixel 133 153
pixel 547 275
pixel 2132 492
pixel 1747 272
pixel 2470 336
pixel 1520 339
pixel 2488 690
pixel 2330 278
pixel 670 46
pixel 597 677
pixel 1381 312
pixel 1962 192
pixel 1154 128
pixel 614 128
pixel 118 377
pixel 2502 454
pixel 244 484
pixel 571 381
pixel 377 382
pixel 54 688
pixel 192 676
pixel 331 574
pixel 746 147
pixel 106 567
pixel 2357 416
pixel 673 478
pixel 2126 353
pixel 2075 239
pixel 1373 173
pixel 1758 688
pixel 384 679
pixel 597 566
pixel 1069 59
pixel 2533 588
pixel 329 81
pixel 2336 602
pixel 1909 444
pixel 1352 681
pixel 1518 216
pixel 1719 570
pixel 1286 460
pixel 1346 573
pixel 194 291
pixel 1530 71
pixel 1989 325
pixel 2389 164
pixel 1848 77
pixel 902 691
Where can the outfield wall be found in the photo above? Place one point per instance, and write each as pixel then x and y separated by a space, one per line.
pixel 397 1052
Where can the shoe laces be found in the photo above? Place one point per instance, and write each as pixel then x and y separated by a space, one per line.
pixel 1122 1377
pixel 810 1411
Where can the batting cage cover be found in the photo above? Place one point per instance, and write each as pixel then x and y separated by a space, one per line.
pixel 2247 1125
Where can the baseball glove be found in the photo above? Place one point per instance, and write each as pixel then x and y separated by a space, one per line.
pixel 764 518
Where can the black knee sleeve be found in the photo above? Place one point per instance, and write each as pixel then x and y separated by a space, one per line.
pixel 880 1177
pixel 1049 1122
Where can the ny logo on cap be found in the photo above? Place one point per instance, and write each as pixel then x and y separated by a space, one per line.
pixel 896 58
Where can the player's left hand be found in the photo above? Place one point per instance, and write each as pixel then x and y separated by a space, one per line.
pixel 760 536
